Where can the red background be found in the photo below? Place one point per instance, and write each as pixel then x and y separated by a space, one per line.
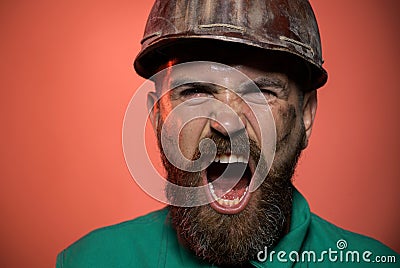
pixel 66 79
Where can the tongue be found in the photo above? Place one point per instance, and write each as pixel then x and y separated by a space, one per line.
pixel 222 185
pixel 225 176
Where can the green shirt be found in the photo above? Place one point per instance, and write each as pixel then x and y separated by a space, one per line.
pixel 150 241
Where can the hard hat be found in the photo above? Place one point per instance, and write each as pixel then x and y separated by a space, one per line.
pixel 273 25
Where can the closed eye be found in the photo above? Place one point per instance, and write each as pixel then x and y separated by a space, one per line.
pixel 195 90
pixel 268 92
pixel 260 95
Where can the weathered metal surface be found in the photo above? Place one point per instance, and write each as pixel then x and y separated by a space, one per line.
pixel 281 25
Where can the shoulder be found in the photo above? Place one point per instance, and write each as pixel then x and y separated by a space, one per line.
pixel 323 235
pixel 124 243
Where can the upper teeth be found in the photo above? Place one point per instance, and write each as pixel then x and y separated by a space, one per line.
pixel 231 159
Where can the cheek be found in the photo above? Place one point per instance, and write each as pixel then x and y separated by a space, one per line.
pixel 282 119
pixel 259 122
pixel 260 127
pixel 181 125
pixel 285 121
pixel 166 106
pixel 190 136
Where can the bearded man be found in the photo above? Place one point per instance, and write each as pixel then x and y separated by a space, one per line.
pixel 236 86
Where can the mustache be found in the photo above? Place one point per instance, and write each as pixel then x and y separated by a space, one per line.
pixel 240 144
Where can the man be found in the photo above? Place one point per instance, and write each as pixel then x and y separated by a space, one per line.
pixel 243 75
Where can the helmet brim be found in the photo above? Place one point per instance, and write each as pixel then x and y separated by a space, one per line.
pixel 150 60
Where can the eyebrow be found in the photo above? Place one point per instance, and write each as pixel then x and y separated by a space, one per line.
pixel 270 82
pixel 180 82
pixel 263 82
pixel 260 82
pixel 179 86
pixel 210 87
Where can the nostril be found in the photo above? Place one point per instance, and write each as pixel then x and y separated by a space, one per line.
pixel 227 123
pixel 219 127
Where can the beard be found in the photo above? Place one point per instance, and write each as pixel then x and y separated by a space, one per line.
pixel 235 239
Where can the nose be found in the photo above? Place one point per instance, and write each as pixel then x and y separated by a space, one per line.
pixel 228 123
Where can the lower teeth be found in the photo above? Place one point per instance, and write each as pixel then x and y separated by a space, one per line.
pixel 226 202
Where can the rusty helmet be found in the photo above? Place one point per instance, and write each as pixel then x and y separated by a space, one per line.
pixel 273 25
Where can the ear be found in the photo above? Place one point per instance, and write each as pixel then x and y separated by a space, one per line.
pixel 153 109
pixel 309 111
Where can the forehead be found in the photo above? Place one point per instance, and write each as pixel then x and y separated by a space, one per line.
pixel 250 62
pixel 228 76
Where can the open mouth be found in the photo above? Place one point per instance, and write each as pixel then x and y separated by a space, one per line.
pixel 225 195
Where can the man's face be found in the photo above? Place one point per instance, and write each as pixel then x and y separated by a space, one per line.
pixel 238 223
